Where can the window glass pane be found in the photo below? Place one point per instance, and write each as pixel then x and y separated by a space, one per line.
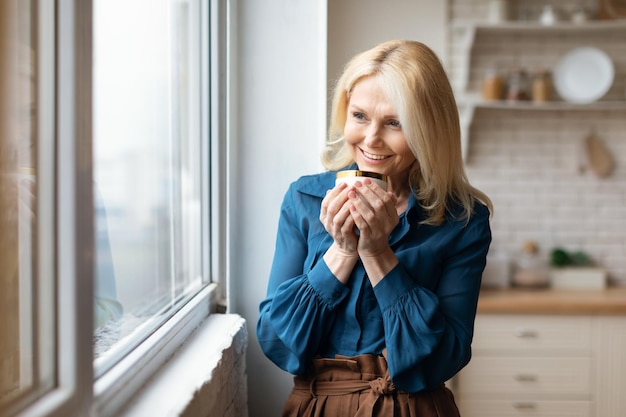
pixel 147 160
pixel 27 365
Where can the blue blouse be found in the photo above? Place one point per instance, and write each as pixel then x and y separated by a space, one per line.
pixel 422 312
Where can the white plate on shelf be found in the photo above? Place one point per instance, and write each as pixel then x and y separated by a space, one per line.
pixel 584 75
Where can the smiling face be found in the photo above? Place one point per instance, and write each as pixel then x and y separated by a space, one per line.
pixel 374 135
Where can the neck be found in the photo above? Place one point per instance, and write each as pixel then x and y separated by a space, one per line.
pixel 401 194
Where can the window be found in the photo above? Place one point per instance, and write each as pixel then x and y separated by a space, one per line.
pixel 28 367
pixel 110 171
pixel 148 156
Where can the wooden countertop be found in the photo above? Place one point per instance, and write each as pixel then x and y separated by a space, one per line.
pixel 550 301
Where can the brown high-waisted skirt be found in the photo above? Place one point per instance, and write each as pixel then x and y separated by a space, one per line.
pixel 360 386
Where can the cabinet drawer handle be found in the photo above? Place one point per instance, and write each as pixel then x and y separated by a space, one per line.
pixel 525 333
pixel 524 405
pixel 525 377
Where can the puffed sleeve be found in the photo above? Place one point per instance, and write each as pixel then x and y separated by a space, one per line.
pixel 298 309
pixel 428 334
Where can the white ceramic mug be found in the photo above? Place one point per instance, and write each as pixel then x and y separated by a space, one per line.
pixel 351 176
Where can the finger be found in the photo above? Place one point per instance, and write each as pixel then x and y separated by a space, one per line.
pixel 347 228
pixel 328 197
pixel 358 220
pixel 373 220
pixel 362 212
pixel 378 198
pixel 324 207
pixel 335 199
pixel 337 189
pixel 342 229
pixel 342 217
pixel 375 188
pixel 334 214
pixel 332 193
pixel 375 202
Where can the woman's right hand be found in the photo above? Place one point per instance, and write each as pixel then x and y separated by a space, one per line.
pixel 337 220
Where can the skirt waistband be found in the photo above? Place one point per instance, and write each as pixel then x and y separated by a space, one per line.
pixel 379 386
pixel 360 386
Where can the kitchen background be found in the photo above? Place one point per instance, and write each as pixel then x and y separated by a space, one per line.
pixel 531 159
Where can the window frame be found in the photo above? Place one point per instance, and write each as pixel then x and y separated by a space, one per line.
pixel 78 392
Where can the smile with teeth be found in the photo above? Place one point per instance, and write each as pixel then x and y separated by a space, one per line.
pixel 372 156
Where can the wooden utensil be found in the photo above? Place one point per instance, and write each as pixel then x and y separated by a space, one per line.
pixel 599 158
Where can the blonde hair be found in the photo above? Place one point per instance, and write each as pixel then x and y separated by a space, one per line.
pixel 418 87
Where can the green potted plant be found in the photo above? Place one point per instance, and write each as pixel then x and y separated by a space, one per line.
pixel 575 270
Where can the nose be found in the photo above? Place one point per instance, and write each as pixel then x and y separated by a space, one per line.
pixel 373 136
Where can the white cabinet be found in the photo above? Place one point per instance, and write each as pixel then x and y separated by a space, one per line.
pixel 499 408
pixel 528 365
pixel 610 349
pixel 545 365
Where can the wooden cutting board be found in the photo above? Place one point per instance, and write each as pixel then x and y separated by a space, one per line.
pixel 599 158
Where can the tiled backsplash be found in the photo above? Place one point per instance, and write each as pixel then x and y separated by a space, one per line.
pixel 530 165
pixel 531 162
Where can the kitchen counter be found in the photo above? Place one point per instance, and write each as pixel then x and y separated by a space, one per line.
pixel 552 301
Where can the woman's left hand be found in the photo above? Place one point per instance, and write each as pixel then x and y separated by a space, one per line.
pixel 374 213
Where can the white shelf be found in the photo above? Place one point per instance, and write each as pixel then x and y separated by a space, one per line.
pixel 535 27
pixel 468 105
pixel 471 28
pixel 555 105
pixel 468 102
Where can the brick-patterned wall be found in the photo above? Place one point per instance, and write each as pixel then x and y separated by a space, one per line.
pixel 531 163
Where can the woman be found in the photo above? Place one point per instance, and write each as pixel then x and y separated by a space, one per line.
pixel 372 294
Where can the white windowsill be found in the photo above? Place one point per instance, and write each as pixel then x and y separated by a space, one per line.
pixel 177 385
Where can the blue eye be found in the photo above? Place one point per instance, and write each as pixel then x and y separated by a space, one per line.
pixel 359 116
pixel 395 123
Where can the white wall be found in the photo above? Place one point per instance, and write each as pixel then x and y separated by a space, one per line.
pixel 282 89
pixel 356 25
pixel 280 132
